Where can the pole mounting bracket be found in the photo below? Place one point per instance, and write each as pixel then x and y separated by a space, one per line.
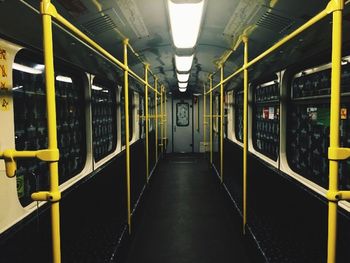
pixel 336 154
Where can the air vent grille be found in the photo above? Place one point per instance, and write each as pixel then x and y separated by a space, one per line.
pixel 99 24
pixel 275 22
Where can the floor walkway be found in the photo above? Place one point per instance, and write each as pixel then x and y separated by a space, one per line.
pixel 186 217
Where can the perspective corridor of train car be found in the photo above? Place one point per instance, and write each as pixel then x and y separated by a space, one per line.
pixel 175 131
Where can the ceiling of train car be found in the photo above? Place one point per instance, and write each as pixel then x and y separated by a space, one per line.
pixel 146 24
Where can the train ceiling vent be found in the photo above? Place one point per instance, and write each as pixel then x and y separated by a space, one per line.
pixel 102 22
pixel 272 20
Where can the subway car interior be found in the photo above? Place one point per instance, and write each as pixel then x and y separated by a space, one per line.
pixel 175 131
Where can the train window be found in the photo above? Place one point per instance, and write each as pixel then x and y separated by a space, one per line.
pixel 131 115
pixel 266 119
pixel 103 104
pixel 141 114
pixel 151 112
pixel 182 114
pixel 31 123
pixel 239 115
pixel 308 125
pixel 216 112
pixel 226 100
pixel 230 118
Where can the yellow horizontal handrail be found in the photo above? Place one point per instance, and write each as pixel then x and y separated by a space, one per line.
pixel 329 9
pixel 10 156
pixel 225 80
pixel 299 30
pixel 51 10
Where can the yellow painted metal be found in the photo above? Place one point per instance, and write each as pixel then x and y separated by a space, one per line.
pixel 330 8
pixel 299 30
pixel 156 116
pixel 161 120
pixel 51 10
pixel 10 156
pixel 147 121
pixel 211 118
pixel 51 126
pixel 225 80
pixel 337 7
pixel 46 196
pixel 222 123
pixel 338 153
pixel 245 132
pixel 127 132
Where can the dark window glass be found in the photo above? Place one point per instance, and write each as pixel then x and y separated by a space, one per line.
pixel 239 115
pixel 103 118
pixel 131 113
pixel 182 114
pixel 308 128
pixel 31 124
pixel 266 119
pixel 141 114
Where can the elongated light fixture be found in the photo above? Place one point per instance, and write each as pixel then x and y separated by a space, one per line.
pixel 183 84
pixel 185 21
pixel 94 87
pixel 64 79
pixel 26 69
pixel 183 77
pixel 183 63
pixel 182 89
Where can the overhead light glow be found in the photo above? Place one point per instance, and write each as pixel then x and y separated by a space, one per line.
pixel 183 63
pixel 185 21
pixel 182 89
pixel 26 69
pixel 183 84
pixel 17 87
pixel 183 77
pixel 96 87
pixel 64 79
pixel 39 67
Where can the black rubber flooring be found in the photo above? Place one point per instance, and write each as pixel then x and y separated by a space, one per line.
pixel 186 217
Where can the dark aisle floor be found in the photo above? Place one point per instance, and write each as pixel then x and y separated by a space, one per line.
pixel 186 217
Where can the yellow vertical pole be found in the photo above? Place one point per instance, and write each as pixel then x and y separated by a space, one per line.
pixel 204 121
pixel 334 126
pixel 245 132
pixel 161 119
pixel 127 142
pixel 222 123
pixel 156 113
pixel 51 125
pixel 146 120
pixel 211 118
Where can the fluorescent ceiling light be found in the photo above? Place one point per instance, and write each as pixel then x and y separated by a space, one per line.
pixel 105 90
pixel 182 89
pixel 64 79
pixel 183 63
pixel 96 87
pixel 183 77
pixel 185 21
pixel 183 84
pixel 26 69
